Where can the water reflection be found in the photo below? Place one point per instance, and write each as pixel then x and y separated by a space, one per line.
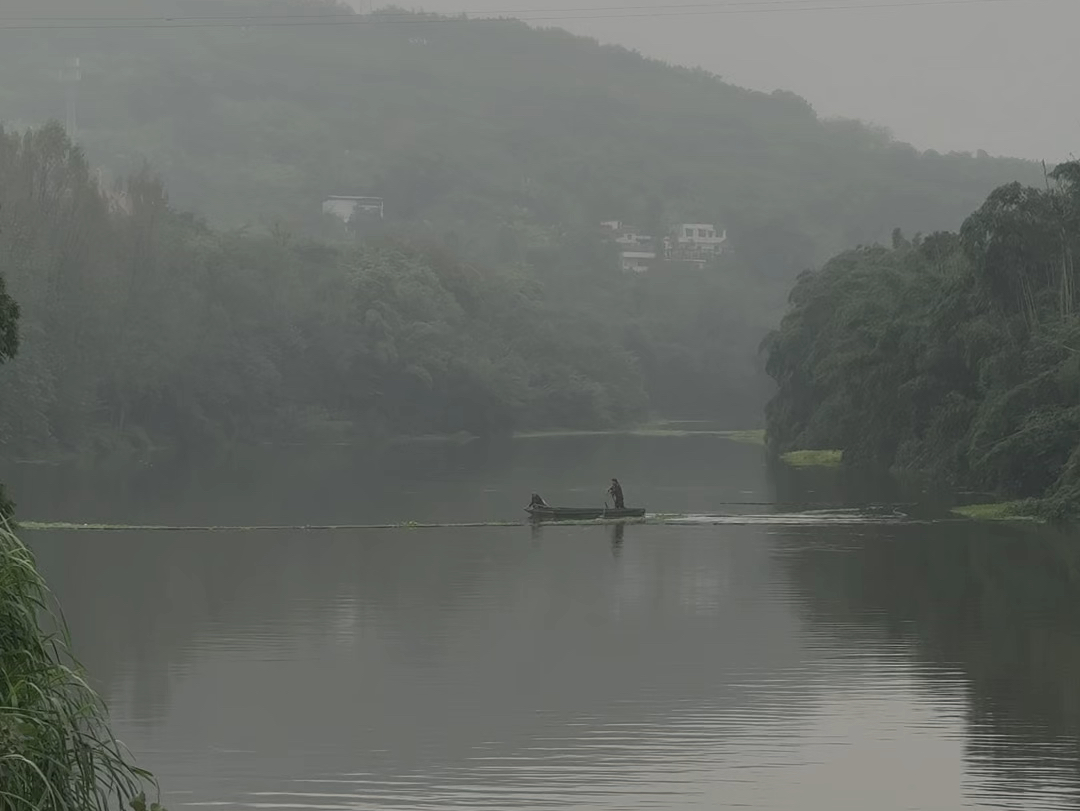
pixel 675 667
pixel 466 668
pixel 617 533
pixel 834 666
pixel 995 608
pixel 486 480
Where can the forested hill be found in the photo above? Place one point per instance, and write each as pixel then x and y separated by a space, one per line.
pixel 498 150
pixel 957 354
pixel 139 325
pixel 466 125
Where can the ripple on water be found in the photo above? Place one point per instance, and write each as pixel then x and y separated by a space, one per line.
pixel 708 755
pixel 498 672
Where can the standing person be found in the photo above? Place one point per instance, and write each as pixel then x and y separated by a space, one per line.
pixel 615 491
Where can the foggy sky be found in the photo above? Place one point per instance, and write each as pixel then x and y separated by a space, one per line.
pixel 998 75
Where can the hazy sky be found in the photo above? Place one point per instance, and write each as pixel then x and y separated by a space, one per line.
pixel 999 75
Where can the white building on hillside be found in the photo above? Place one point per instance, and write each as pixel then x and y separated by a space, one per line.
pixel 636 261
pixel 344 207
pixel 701 236
pixel 626 234
pixel 695 242
pixel 637 251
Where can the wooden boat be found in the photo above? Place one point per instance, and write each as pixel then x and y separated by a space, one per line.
pixel 582 513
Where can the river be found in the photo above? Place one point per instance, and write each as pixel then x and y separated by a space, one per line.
pixel 838 661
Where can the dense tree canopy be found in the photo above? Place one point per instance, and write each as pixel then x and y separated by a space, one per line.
pixel 957 354
pixel 502 145
pixel 143 324
pixel 9 343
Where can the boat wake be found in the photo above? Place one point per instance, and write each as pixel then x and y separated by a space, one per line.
pixel 809 517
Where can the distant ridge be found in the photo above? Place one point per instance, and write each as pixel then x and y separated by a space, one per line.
pixel 469 127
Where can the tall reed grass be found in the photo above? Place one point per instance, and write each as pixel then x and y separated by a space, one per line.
pixel 56 750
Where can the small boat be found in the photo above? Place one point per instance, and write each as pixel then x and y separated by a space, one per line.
pixel 546 513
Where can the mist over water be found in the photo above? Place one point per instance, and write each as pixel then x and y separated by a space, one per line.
pixel 315 305
pixel 771 666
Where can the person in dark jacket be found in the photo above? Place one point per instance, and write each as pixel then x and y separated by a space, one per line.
pixel 537 501
pixel 615 491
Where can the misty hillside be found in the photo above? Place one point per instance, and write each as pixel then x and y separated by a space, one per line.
pixel 469 125
pixel 496 147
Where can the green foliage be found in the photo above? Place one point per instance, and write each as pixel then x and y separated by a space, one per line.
pixel 501 143
pixel 9 323
pixel 139 804
pixel 956 354
pixel 145 325
pixel 7 508
pixel 9 344
pixel 56 751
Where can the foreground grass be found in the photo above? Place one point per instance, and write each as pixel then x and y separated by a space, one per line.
pixel 56 750
pixel 813 458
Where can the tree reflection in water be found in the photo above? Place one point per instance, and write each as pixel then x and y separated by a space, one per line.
pixel 998 604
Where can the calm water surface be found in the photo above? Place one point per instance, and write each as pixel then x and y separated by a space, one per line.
pixel 791 665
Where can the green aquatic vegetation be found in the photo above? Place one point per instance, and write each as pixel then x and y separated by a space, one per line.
pixel 68 526
pixel 56 750
pixel 59 525
pixel 999 511
pixel 821 458
pixel 64 526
